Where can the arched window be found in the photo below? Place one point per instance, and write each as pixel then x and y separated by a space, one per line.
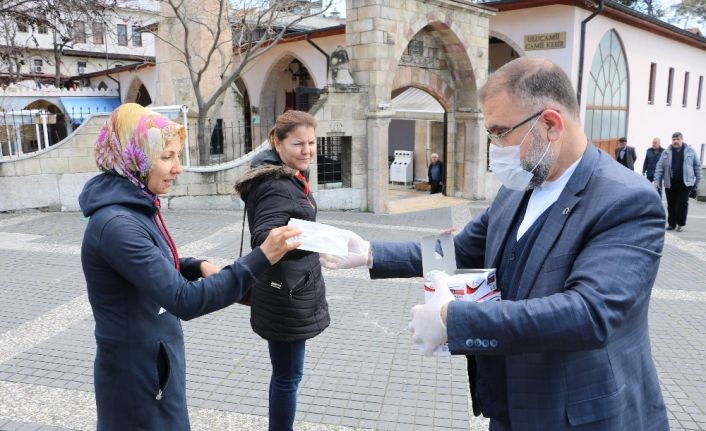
pixel 607 101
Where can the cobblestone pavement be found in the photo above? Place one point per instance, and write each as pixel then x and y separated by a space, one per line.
pixel 361 373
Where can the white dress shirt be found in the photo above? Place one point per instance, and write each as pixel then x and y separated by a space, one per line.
pixel 543 197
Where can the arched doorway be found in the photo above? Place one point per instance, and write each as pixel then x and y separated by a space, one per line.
pixel 435 63
pixel 246 129
pixel 501 50
pixel 137 93
pixel 32 135
pixel 289 85
pixel 418 126
pixel 607 96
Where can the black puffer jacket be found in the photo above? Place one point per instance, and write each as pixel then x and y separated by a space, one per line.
pixel 289 299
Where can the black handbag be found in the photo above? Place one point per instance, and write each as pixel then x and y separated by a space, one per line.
pixel 692 193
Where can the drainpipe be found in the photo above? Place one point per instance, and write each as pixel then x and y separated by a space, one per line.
pixel 583 47
pixel 306 37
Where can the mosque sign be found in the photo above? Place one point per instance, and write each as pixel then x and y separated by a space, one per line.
pixel 545 41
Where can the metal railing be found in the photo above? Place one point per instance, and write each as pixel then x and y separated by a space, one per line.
pixel 227 140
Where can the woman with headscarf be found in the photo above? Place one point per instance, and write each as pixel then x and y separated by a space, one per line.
pixel 289 300
pixel 138 286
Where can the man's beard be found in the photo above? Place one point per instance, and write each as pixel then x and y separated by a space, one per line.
pixel 534 155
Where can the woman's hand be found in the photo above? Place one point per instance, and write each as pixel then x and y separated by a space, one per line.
pixel 276 246
pixel 207 268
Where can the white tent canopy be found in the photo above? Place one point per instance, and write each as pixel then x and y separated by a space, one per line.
pixel 416 100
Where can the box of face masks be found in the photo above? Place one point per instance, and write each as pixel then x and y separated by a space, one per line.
pixel 473 285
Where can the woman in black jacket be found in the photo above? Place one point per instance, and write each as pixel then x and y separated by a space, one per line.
pixel 138 286
pixel 288 302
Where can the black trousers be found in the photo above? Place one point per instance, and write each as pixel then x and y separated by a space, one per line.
pixel 677 202
pixel 435 187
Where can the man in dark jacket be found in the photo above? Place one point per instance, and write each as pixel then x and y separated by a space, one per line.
pixel 625 155
pixel 435 174
pixel 650 164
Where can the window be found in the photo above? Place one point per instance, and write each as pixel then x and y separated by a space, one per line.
pixel 670 82
pixel 122 35
pixel 98 33
pixel 607 97
pixel 21 27
pixel 81 67
pixel 136 36
pixel 698 93
pixel 80 32
pixel 333 161
pixel 685 95
pixel 653 78
pixel 42 28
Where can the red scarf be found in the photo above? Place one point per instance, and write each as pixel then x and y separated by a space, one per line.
pixel 162 228
pixel 302 178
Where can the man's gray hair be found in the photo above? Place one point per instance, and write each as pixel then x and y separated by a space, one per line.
pixel 536 84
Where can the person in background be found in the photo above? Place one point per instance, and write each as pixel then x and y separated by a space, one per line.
pixel 680 168
pixel 625 155
pixel 576 241
pixel 435 174
pixel 289 300
pixel 651 158
pixel 138 286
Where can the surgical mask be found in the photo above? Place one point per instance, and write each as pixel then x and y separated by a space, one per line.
pixel 506 164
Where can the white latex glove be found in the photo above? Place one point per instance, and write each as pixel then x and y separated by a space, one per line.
pixel 428 330
pixel 358 254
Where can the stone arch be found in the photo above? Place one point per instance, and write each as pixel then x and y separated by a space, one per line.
pixel 278 85
pixel 501 50
pixel 454 84
pixel 138 93
pixel 460 32
pixel 455 51
pixel 427 81
pixel 56 132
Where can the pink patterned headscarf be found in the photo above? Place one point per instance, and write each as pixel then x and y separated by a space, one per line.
pixel 132 139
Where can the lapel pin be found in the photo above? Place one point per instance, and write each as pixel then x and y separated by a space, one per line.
pixel 566 211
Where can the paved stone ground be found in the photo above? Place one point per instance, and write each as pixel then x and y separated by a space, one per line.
pixel 361 373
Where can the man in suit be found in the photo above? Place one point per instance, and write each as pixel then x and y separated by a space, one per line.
pixel 576 241
pixel 625 155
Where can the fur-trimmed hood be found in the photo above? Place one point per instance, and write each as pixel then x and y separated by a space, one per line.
pixel 264 166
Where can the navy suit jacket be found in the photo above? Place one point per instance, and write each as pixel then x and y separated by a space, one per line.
pixel 574 337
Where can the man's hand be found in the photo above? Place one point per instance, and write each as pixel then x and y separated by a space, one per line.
pixel 358 255
pixel 207 268
pixel 427 327
pixel 276 246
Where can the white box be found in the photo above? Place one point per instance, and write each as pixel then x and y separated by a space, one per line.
pixel 473 285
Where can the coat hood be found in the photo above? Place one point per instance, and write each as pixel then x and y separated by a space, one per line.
pixel 265 165
pixel 111 189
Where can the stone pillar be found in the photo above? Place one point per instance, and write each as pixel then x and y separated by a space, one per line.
pixel 378 175
pixel 450 158
pixel 475 160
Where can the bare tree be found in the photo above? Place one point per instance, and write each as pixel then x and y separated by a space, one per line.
pixel 691 9
pixel 238 33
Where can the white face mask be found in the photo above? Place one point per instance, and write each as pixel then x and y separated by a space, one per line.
pixel 506 164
